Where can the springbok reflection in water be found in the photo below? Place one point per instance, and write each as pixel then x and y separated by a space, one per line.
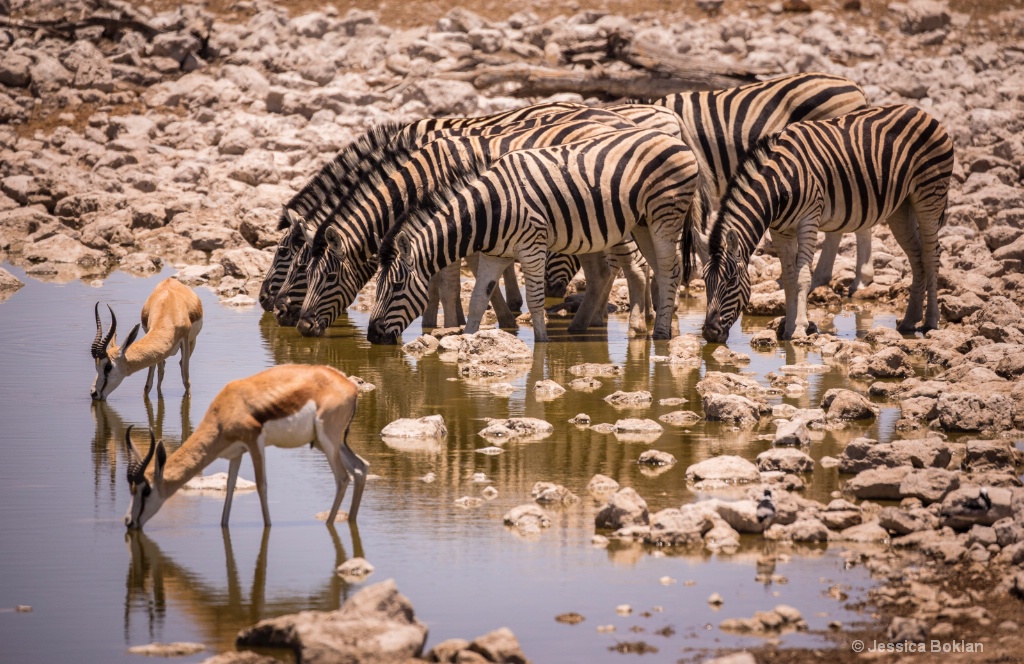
pixel 157 585
pixel 108 437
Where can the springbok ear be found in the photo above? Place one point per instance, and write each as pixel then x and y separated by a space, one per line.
pixel 161 461
pixel 333 238
pixel 131 338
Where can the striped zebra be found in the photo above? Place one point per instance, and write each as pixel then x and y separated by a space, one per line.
pixel 325 190
pixel 580 198
pixel 840 175
pixel 353 236
pixel 720 126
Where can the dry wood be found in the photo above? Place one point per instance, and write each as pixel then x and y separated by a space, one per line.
pixel 541 81
pixel 654 71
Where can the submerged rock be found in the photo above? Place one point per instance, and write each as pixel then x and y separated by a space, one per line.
pixel 529 518
pixel 624 508
pixel 177 649
pixel 517 428
pixel 734 408
pixel 622 399
pixel 431 426
pixel 730 469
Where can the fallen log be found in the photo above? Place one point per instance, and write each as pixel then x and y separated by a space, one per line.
pixel 534 81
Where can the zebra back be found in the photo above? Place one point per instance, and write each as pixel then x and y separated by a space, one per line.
pixel 851 172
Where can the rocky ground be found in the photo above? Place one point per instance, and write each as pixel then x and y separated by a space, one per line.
pixel 177 138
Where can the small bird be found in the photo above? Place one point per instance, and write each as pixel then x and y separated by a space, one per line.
pixel 766 509
pixel 982 503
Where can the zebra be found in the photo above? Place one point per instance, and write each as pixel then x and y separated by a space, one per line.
pixel 720 126
pixel 845 174
pixel 579 198
pixel 353 236
pixel 328 187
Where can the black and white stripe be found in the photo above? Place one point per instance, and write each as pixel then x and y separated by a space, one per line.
pixel 580 199
pixel 841 175
pixel 304 213
pixel 720 126
pixel 343 245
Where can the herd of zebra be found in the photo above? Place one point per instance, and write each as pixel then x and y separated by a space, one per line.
pixel 560 186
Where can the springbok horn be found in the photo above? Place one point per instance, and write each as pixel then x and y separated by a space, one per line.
pixel 113 329
pixel 97 344
pixel 134 460
pixel 137 467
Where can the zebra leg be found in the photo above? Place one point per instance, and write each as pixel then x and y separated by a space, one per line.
pixel 627 256
pixel 928 226
pixel 533 265
pixel 488 271
pixel 595 299
pixel 807 236
pixel 506 318
pixel 904 229
pixel 786 248
pixel 513 297
pixel 433 301
pixel 662 253
pixel 450 294
pixel 827 260
pixel 865 269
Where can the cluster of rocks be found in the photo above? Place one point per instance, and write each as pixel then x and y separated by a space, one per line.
pixel 376 624
pixel 131 151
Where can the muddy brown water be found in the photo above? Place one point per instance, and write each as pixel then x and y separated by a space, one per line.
pixel 95 592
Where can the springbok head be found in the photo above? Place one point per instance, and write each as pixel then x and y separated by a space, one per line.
pixel 111 366
pixel 147 497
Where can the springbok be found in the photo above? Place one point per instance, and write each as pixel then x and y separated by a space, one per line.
pixel 172 317
pixel 285 406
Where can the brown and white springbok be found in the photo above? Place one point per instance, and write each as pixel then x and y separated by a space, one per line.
pixel 172 317
pixel 285 406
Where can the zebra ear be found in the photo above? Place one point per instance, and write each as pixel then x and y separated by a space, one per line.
pixel 732 243
pixel 333 238
pixel 403 243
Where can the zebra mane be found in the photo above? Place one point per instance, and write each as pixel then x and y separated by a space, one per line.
pixel 344 172
pixel 749 167
pixel 389 159
pixel 421 212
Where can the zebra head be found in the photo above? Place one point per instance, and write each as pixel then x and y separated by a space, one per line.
pixel 558 272
pixel 293 289
pixel 283 257
pixel 401 293
pixel 728 288
pixel 322 303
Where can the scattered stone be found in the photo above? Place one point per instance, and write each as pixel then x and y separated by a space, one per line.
pixel 216 483
pixel 431 426
pixel 355 570
pixel 527 519
pixel 727 469
pixel 571 618
pixel 375 624
pixel 601 485
pixel 733 408
pixel 715 599
pixel 548 493
pixel 177 649
pixel 843 404
pixel 681 418
pixel 582 419
pixel 787 460
pixel 546 390
pixel 621 399
pixel 516 428
pixel 624 508
pixel 656 458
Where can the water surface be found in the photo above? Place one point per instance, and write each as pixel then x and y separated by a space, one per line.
pixel 95 591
